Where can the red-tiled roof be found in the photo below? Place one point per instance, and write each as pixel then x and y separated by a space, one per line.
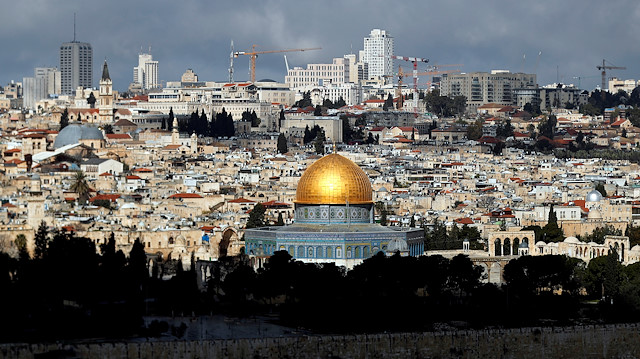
pixel 133 177
pixel 241 200
pixel 118 136
pixel 108 197
pixel 275 204
pixel 9 205
pixel 465 220
pixel 146 170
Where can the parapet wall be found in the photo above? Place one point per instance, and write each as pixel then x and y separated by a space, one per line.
pixel 611 341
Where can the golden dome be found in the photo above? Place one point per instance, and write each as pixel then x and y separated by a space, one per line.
pixel 334 179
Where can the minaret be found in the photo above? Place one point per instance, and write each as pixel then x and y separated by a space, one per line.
pixel 105 107
pixel 194 143
pixel 175 135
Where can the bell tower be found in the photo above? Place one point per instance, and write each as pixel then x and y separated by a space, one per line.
pixel 105 107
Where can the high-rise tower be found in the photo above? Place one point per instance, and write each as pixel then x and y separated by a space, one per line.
pixel 378 46
pixel 146 73
pixel 76 64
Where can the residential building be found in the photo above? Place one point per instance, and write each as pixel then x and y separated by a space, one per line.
pixel 616 85
pixel 76 66
pixel 481 88
pixel 146 73
pixel 378 46
pixel 319 74
pixel 52 79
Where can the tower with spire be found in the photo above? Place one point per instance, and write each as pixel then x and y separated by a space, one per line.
pixel 105 107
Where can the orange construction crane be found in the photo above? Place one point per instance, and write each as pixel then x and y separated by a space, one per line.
pixel 254 55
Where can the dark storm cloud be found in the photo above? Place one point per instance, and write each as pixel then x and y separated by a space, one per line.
pixel 573 36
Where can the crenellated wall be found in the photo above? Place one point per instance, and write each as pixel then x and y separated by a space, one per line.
pixel 611 341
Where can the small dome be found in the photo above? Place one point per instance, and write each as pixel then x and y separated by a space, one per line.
pixel 571 240
pixel 74 133
pixel 334 179
pixel 397 245
pixel 593 196
pixel 523 245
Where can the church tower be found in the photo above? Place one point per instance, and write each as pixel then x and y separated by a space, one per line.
pixel 105 107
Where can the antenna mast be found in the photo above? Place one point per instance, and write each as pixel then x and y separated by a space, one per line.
pixel 74 27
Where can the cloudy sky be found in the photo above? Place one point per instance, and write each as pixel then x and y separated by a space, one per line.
pixel 573 36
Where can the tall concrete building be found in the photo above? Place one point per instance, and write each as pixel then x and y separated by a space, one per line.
pixel 33 90
pixel 146 73
pixel 377 47
pixel 52 78
pixel 76 66
pixel 481 88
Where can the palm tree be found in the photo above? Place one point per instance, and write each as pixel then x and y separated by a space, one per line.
pixel 80 186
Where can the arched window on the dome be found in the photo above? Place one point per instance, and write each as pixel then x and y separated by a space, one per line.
pixel 301 252
pixel 318 252
pixel 338 252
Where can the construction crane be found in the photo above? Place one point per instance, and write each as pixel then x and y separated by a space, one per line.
pixel 231 55
pixel 254 55
pixel 604 69
pixel 415 61
pixel 432 70
pixel 582 77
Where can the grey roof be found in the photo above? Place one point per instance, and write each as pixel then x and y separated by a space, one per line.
pixel 94 161
pixel 74 133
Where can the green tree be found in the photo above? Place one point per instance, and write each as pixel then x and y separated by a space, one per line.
pixel 319 142
pixel 282 144
pixel 256 217
pixel 383 217
pixel 600 188
pixel 474 130
pixel 551 231
pixel 307 135
pixel 317 111
pixel 81 186
pixel 108 128
pixel 91 100
pixel 64 119
pixel 21 244
pixel 388 103
pixel 280 221
pixel 281 119
pixel 137 265
pixel 603 276
pixel 547 127
pixel 41 241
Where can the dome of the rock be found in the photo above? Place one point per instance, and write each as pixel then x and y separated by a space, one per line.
pixel 334 179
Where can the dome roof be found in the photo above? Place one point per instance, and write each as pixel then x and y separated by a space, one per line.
pixel 594 196
pixel 334 179
pixel 74 133
pixel 571 240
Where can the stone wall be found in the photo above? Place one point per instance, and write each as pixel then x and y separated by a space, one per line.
pixel 613 341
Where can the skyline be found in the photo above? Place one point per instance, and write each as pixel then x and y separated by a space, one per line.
pixel 573 36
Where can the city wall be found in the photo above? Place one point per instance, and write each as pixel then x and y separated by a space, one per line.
pixel 612 341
